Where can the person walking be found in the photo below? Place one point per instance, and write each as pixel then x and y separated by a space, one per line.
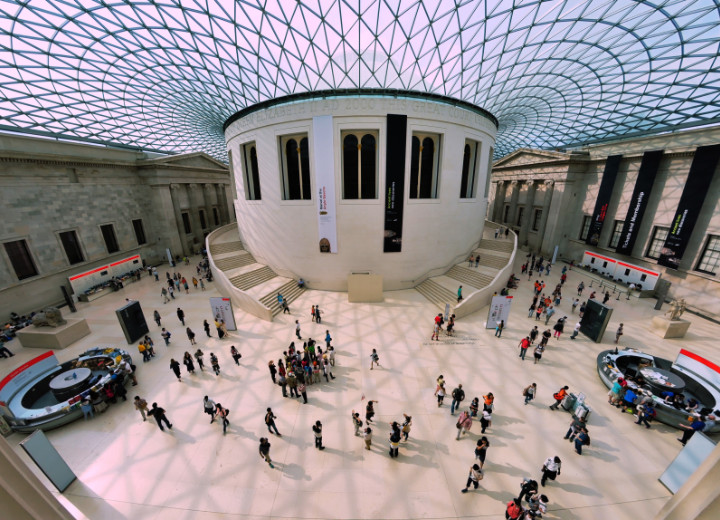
pixel 317 432
pixel 357 423
pixel 394 439
pixel 582 439
pixel 223 414
pixel 209 407
pixel 181 315
pixel 549 314
pixel 188 362
pixel 297 329
pixel 282 381
pixel 485 421
pixel 580 288
pixel 481 450
pixel 575 303
pixel 164 294
pixel 537 354
pixel 199 357
pixel 190 335
pixel 550 469
pixel 559 327
pixel 499 328
pixel 312 313
pixel 264 450
pixel 458 396
pixel 369 411
pixel 285 307
pixel 528 487
pixel 215 364
pixel 175 366
pixel 533 334
pixel 619 332
pixel 171 291
pixel 529 392
pixel 292 383
pixel 464 424
pixel 328 339
pixel 697 425
pixel 474 477
pixel 514 510
pixel 524 344
pixel 374 359
pixel 270 422
pixel 406 425
pixel 440 393
pixel 141 406
pixel 206 326
pixel 645 412
pixel 303 389
pixel 471 260
pixel 159 415
pixel 156 315
pixel 559 396
pixel 318 314
pixel 459 294
pixel 195 282
pixel 235 355
pixel 273 370
pixel 367 437
pixel 576 330
pixel 165 336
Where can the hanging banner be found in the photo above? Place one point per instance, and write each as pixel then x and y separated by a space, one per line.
pixel 696 187
pixel 612 165
pixel 323 153
pixel 222 310
pixel 638 202
pixel 499 311
pixel 394 182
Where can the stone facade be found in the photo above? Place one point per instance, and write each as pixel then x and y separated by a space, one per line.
pixel 563 188
pixel 49 187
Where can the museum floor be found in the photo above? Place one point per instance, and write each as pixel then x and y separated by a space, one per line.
pixel 127 468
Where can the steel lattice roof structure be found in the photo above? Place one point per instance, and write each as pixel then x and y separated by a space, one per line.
pixel 166 74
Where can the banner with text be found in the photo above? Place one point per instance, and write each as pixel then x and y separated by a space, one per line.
pixel 394 182
pixel 612 165
pixel 499 311
pixel 701 174
pixel 323 152
pixel 222 310
pixel 638 202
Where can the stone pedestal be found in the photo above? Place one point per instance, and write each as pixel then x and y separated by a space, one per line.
pixel 666 328
pixel 53 338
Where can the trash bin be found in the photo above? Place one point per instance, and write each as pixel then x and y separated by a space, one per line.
pixel 569 401
pixel 582 411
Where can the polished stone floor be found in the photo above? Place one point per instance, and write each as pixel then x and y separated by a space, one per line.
pixel 128 468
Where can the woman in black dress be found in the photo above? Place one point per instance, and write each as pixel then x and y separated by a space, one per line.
pixel 188 362
pixel 175 366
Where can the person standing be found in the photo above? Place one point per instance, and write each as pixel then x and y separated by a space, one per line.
pixel 619 332
pixel 209 408
pixel 303 389
pixel 317 432
pixel 575 303
pixel 297 329
pixel 551 469
pixel 406 426
pixel 181 315
pixel 235 355
pixel 459 294
pixel 474 477
pixel 175 366
pixel 369 411
pixel 499 328
pixel 165 336
pixel 328 339
pixel 272 369
pixel 606 297
pixel 282 381
pixel 471 260
pixel 190 335
pixel 171 291
pixel 270 422
pixel 394 439
pixel 223 414
pixel 141 406
pixel 318 314
pixel 528 487
pixel 188 362
pixel 265 451
pixel 580 288
pixel 199 357
pixel 481 450
pixel 195 282
pixel 529 392
pixel 458 396
pixel 292 383
pixel 156 315
pixel 582 439
pixel 436 332
pixel 374 359
pixel 312 313
pixel 367 437
pixel 206 326
pixel 524 344
pixel 224 330
pixel 477 260
pixel 559 396
pixel 697 425
pixel 215 364
pixel 159 415
pixel 357 423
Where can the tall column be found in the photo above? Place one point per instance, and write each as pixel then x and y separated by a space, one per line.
pixel 545 212
pixel 192 191
pixel 499 204
pixel 515 195
pixel 222 204
pixel 207 189
pixel 528 215
pixel 175 196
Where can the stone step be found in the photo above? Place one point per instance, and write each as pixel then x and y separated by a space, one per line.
pixel 226 247
pixel 290 292
pixel 469 277
pixel 435 293
pixel 503 245
pixel 233 262
pixel 489 260
pixel 247 280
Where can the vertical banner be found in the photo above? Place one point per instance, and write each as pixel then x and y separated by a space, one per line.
pixel 394 182
pixel 499 311
pixel 324 155
pixel 222 310
pixel 47 458
pixel 612 164
pixel 638 202
pixel 701 174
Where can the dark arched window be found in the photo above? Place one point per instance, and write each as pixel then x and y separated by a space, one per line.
pixel 359 151
pixel 296 168
pixel 424 166
pixel 251 172
pixel 471 152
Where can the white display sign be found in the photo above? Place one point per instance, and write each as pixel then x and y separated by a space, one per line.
pixel 323 153
pixel 499 311
pixel 222 310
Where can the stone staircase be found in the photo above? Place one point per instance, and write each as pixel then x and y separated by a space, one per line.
pixel 469 276
pixel 436 293
pixel 290 292
pixel 233 262
pixel 505 246
pixel 226 247
pixel 250 279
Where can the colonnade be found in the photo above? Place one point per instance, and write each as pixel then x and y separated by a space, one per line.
pixel 507 194
pixel 191 198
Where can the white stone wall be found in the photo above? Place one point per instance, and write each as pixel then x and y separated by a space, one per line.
pixel 284 234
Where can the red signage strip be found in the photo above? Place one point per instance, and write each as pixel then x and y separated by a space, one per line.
pixel 651 273
pixel 88 272
pixel 126 260
pixel 24 367
pixel 601 257
pixel 700 359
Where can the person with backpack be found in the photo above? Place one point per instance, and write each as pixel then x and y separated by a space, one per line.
pixel 529 392
pixel 236 355
pixel 463 425
pixel 474 477
pixel 357 423
pixel 582 439
pixel 559 396
pixel 458 395
pixel 270 422
pixel 528 487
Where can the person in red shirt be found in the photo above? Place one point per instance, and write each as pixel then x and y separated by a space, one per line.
pixel 524 344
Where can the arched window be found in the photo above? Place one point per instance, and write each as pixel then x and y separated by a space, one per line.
pixel 251 173
pixel 424 166
pixel 295 168
pixel 468 184
pixel 359 152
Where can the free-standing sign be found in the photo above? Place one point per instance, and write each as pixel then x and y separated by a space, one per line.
pixel 696 187
pixel 638 202
pixel 394 182
pixel 222 310
pixel 499 311
pixel 323 150
pixel 44 454
pixel 603 199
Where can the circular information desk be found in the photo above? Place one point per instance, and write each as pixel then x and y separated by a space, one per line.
pixel 663 380
pixel 70 383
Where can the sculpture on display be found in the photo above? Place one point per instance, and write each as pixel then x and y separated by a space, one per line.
pixel 677 307
pixel 49 317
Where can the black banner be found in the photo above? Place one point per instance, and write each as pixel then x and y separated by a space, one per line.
pixel 691 201
pixel 603 199
pixel 638 202
pixel 394 182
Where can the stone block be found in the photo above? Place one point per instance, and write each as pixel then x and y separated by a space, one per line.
pixel 54 338
pixel 668 329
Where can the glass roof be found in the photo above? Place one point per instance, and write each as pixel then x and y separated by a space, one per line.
pixel 166 74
